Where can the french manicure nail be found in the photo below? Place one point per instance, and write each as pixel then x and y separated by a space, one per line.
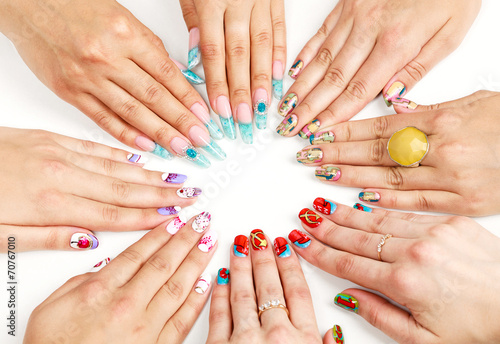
pixel 287 125
pixel 328 173
pixel 362 207
pixel 324 206
pixel 208 241
pixel 244 114
pixel 203 283
pixel 226 116
pixel 83 241
pixel 310 129
pixel 152 147
pixel 100 265
pixel 169 210
pixel 189 192
pixel 176 224
pixel 278 80
pixel 310 218
pixel 201 138
pixel 137 158
pixel 223 276
pixel 194 49
pixel 173 178
pixel 310 156
pixel 203 115
pixel 260 108
pixel 201 222
pixel 190 76
pixel 367 196
pixel 186 150
pixel 258 239
pixel 402 102
pixel 321 138
pixel 288 104
pixel 396 90
pixel 282 248
pixel 299 238
pixel 296 69
pixel 347 302
pixel 240 246
pixel 338 336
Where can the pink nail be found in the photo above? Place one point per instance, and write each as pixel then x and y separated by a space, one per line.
pixel 260 94
pixel 208 241
pixel 194 37
pixel 178 145
pixel 244 113
pixel 145 144
pixel 199 136
pixel 176 224
pixel 223 107
pixel 278 70
pixel 200 112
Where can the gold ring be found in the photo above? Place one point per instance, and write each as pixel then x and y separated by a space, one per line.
pixel 271 305
pixel 407 147
pixel 382 243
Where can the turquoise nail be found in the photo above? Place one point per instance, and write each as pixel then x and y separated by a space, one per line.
pixel 246 132
pixel 278 89
pixel 193 57
pixel 228 127
pixel 192 154
pixel 192 77
pixel 214 149
pixel 214 130
pixel 260 114
pixel 162 152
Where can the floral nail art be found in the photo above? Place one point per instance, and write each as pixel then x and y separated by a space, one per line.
pixel 310 129
pixel 396 90
pixel 347 302
pixel 83 241
pixel 321 138
pixel 260 109
pixel 240 246
pixel 223 276
pixel 162 152
pixel 299 238
pixel 203 283
pixel 369 196
pixel 258 239
pixel 338 336
pixel 201 222
pixel 282 248
pixel 173 178
pixel 288 104
pixel 189 192
pixel 310 218
pixel 310 156
pixel 176 224
pixel 328 173
pixel 296 69
pixel 287 126
pixel 208 241
pixel 169 210
pixel 100 265
pixel 362 207
pixel 324 206
pixel 137 158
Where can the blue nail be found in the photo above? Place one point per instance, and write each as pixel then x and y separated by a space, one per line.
pixel 246 132
pixel 193 57
pixel 214 149
pixel 162 152
pixel 362 207
pixel 278 89
pixel 192 77
pixel 192 154
pixel 214 130
pixel 260 114
pixel 228 127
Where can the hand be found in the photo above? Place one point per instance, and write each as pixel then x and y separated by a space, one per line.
pixel 456 176
pixel 56 189
pixel 243 45
pixel 98 57
pixel 255 280
pixel 442 269
pixel 364 45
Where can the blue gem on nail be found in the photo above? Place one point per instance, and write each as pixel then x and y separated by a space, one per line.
pixel 191 153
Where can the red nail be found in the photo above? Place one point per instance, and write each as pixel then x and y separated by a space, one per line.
pixel 258 238
pixel 310 218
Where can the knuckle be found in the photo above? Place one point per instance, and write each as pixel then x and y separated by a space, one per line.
pixel 166 69
pixel 122 306
pixel 211 52
pixel 240 92
pixel 152 94
pixel 51 242
pixel 242 296
pixel 425 252
pixel 460 221
pixel 269 289
pixel 109 167
pixel 394 178
pixel 362 242
pixel 163 134
pixel 237 51
pixel 423 202
pixel 174 289
pixel 121 26
pixel 103 119
pixel 323 31
pixel 335 77
pixel 325 56
pixel 445 118
pixel 133 256
pixel 356 90
pixel 278 333
pixel 415 70
pixel 301 293
pixel 124 134
pixel 377 151
pixel 50 199
pixel 380 222
pixel 91 289
pixel 263 39
pixel 92 51
pixel 392 42
pixel 380 127
pixel 156 41
pixel 54 167
pixel 182 119
pixel 86 146
pixel 121 190
pixel 180 326
pixel 160 265
pixel 263 78
pixel 130 109
pixel 109 213
pixel 279 25
pixel 344 265
pixel 403 280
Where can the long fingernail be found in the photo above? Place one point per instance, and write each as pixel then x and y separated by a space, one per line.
pixel 288 104
pixel 362 207
pixel 324 206
pixel 194 49
pixel 152 147
pixel 367 196
pixel 223 276
pixel 244 114
pixel 328 173
pixel 310 218
pixel 83 241
pixel 282 248
pixel 202 139
pixel 278 71
pixel 203 283
pixel 299 238
pixel 208 241
pixel 296 69
pixel 203 115
pixel 100 265
pixel 173 178
pixel 309 129
pixel 176 224
pixel 137 158
pixel 321 138
pixel 190 76
pixel 226 116
pixel 260 108
pixel 406 103
pixel 396 90
pixel 240 246
pixel 189 192
pixel 258 240
pixel 338 336
pixel 201 222
pixel 347 302
pixel 288 125
pixel 310 156
pixel 169 210
pixel 186 150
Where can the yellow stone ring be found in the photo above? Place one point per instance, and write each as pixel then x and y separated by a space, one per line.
pixel 407 147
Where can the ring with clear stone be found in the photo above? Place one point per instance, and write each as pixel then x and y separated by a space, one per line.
pixel 271 305
pixel 382 243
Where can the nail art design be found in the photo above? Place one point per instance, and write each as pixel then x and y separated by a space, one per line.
pixel 278 80
pixel 310 218
pixel 137 158
pixel 367 196
pixel 201 222
pixel 338 336
pixel 310 129
pixel 258 239
pixel 296 69
pixel 321 138
pixel 169 210
pixel 214 150
pixel 193 78
pixel 240 246
pixel 204 116
pixel 310 156
pixel 347 302
pixel 328 173
pixel 203 283
pixel 246 131
pixel 83 241
pixel 223 276
pixel 324 206
pixel 260 109
pixel 288 124
pixel 395 91
pixel 100 265
pixel 194 50
pixel 189 192
pixel 214 130
pixel 162 152
pixel 288 104
pixel 173 178
pixel 176 224
pixel 299 238
pixel 362 207
pixel 192 154
pixel 404 103
pixel 208 241
pixel 228 127
pixel 282 248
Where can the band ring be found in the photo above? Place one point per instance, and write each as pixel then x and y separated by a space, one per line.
pixel 382 242
pixel 272 305
pixel 407 147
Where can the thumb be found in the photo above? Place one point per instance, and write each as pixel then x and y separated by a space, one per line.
pixel 334 336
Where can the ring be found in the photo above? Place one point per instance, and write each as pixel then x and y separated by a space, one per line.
pixel 382 243
pixel 271 305
pixel 407 147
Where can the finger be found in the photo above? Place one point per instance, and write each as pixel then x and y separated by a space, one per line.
pixel 279 47
pixel 220 321
pixel 190 15
pixel 334 336
pixel 412 217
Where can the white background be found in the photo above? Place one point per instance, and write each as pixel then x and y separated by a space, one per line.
pixel 269 188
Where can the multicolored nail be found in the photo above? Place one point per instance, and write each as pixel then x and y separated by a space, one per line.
pixel 278 80
pixel 282 248
pixel 240 246
pixel 338 336
pixel 367 196
pixel 169 210
pixel 296 69
pixel 162 152
pixel 287 126
pixel 402 102
pixel 201 112
pixel 187 151
pixel 223 276
pixel 396 90
pixel 190 76
pixel 299 238
pixel 203 283
pixel 83 241
pixel 324 206
pixel 310 156
pixel 260 108
pixel 258 239
pixel 173 178
pixel 137 158
pixel 288 104
pixel 208 241
pixel 201 222
pixel 100 265
pixel 347 302
pixel 189 192
pixel 176 224
pixel 362 207
pixel 321 138
pixel 194 50
pixel 310 129
pixel 328 173
pixel 310 218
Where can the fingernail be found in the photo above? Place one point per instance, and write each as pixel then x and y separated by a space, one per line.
pixel 226 116
pixel 324 206
pixel 310 218
pixel 260 108
pixel 287 126
pixel 296 69
pixel 201 222
pixel 338 336
pixel 244 115
pixel 362 207
pixel 321 138
pixel 310 129
pixel 202 139
pixel 367 196
pixel 299 238
pixel 282 248
pixel 208 241
pixel 396 90
pixel 203 115
pixel 203 283
pixel 258 239
pixel 173 178
pixel 402 102
pixel 152 147
pixel 169 210
pixel 194 49
pixel 83 241
pixel 278 80
pixel 347 302
pixel 189 192
pixel 328 173
pixel 240 246
pixel 223 276
pixel 288 104
pixel 190 76
pixel 310 156
pixel 186 150
pixel 176 224
pixel 100 265
pixel 137 158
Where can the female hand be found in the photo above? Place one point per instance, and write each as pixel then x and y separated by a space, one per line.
pixel 456 176
pixel 56 189
pixel 151 293
pixel 243 46
pixel 364 45
pixel 257 279
pixel 98 57
pixel 442 269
